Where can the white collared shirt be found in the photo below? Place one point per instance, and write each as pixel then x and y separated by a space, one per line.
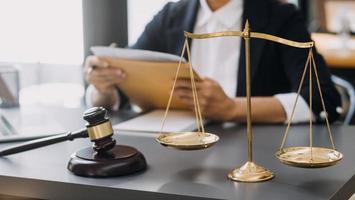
pixel 218 58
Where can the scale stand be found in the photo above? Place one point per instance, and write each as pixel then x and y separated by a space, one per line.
pixel 249 172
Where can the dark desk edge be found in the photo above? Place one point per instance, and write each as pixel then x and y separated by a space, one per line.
pixel 346 191
pixel 34 188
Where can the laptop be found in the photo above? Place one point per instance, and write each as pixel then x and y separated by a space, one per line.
pixel 27 123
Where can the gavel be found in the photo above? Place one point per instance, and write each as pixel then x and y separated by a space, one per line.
pixel 99 129
pixel 103 159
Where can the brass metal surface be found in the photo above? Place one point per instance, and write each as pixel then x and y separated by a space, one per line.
pixel 250 172
pixel 256 35
pixel 213 35
pixel 246 35
pixel 188 140
pixel 309 157
pixel 305 45
pixel 100 131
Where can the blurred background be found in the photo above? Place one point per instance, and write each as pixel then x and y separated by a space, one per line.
pixel 43 43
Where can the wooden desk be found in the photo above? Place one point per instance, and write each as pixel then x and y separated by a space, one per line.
pixel 184 175
pixel 330 46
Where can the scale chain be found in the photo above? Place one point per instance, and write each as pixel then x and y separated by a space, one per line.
pixel 295 104
pixel 311 64
pixel 194 93
pixel 323 104
pixel 310 84
pixel 199 120
pixel 173 88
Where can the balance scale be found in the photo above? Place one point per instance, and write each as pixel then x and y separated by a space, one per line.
pixel 304 156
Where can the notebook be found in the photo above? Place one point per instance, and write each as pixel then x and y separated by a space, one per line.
pixel 177 121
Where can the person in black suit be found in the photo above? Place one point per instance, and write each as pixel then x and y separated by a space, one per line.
pixel 275 68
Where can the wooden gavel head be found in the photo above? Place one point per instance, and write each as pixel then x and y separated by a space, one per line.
pixel 99 129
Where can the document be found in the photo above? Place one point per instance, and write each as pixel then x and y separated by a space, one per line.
pixel 151 122
pixel 150 75
pixel 134 54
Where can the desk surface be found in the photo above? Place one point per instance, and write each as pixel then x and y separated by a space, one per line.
pixel 331 47
pixel 173 174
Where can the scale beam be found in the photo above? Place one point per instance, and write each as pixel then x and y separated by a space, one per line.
pixel 264 36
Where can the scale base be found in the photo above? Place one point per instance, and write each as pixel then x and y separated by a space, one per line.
pixel 119 161
pixel 250 172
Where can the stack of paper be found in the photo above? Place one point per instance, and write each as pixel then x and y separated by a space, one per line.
pixel 134 54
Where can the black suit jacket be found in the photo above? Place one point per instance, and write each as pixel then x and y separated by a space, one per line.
pixel 275 68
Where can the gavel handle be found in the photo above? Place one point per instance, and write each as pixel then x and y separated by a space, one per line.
pixel 44 142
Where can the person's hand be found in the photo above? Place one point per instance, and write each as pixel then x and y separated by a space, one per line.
pixel 214 103
pixel 99 74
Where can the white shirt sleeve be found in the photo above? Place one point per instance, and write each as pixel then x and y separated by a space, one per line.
pixel 287 101
pixel 88 100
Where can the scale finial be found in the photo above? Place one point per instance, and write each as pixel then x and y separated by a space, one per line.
pixel 246 31
pixel 247 25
